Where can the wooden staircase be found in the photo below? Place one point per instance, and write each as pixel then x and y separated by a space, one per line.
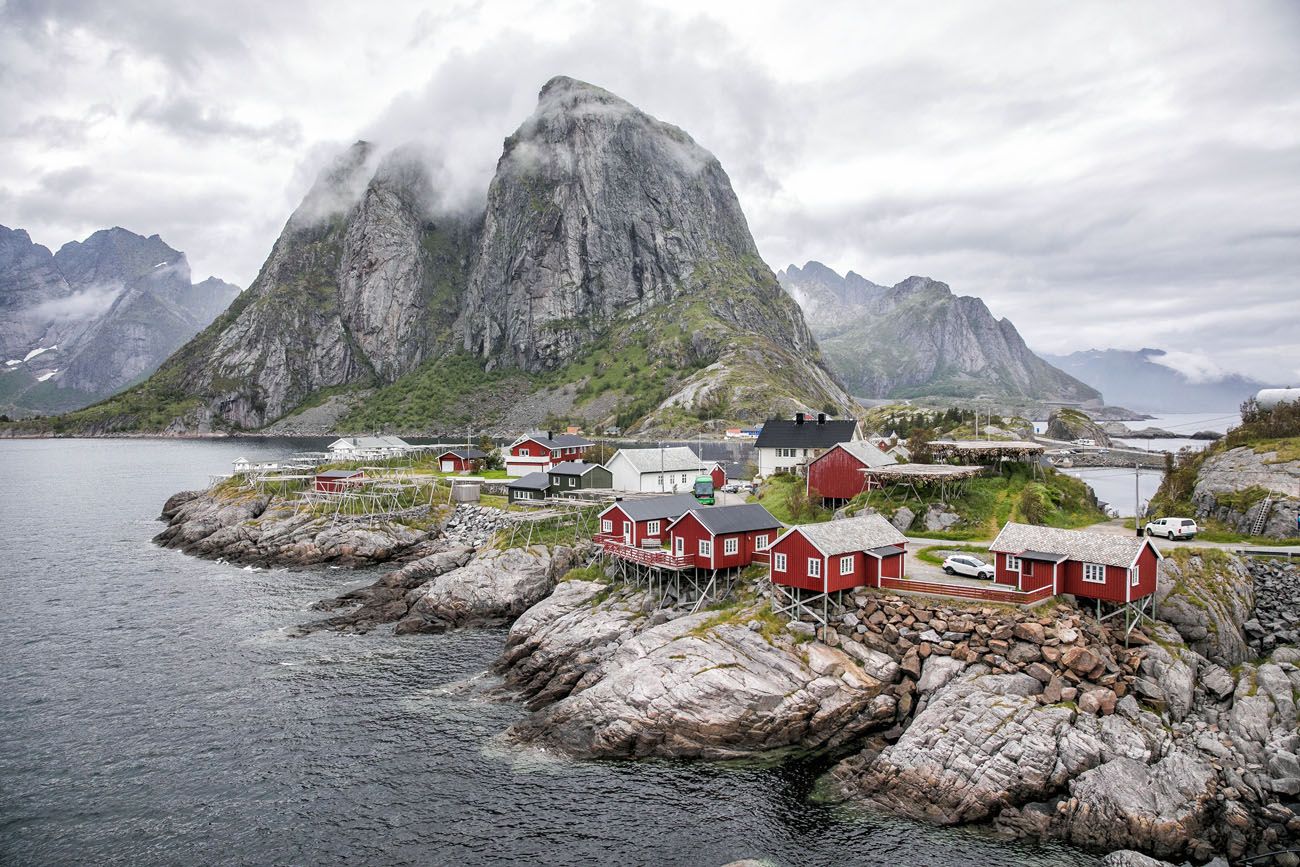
pixel 1261 517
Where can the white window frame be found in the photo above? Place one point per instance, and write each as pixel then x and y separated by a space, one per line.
pixel 814 567
pixel 1134 577
pixel 1013 563
pixel 760 543
pixel 730 546
pixel 847 565
pixel 572 481
pixel 652 528
pixel 1091 569
pixel 679 546
pixel 606 525
pixel 706 548
pixel 683 478
pixel 661 480
pixel 778 562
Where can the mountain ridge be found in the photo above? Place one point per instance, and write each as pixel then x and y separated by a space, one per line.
pixel 919 339
pixel 1133 379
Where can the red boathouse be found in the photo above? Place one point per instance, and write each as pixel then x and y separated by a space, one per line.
pixel 811 561
pixel 836 474
pixel 337 481
pixel 723 537
pixel 459 460
pixel 643 522
pixel 1106 567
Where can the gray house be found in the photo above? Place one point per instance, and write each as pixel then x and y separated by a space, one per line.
pixel 577 475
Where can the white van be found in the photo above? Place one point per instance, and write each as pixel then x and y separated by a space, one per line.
pixel 1173 528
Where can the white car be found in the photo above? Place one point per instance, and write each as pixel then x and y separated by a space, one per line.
pixel 1173 528
pixel 966 564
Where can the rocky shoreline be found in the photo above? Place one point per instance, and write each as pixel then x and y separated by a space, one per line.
pixel 1180 743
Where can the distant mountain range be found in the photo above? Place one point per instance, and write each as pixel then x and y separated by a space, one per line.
pixel 918 339
pixel 1137 381
pixel 98 315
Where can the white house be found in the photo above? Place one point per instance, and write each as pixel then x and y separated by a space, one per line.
pixel 662 470
pixel 785 444
pixel 241 465
pixel 358 448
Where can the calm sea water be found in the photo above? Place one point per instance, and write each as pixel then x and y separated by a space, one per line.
pixel 154 712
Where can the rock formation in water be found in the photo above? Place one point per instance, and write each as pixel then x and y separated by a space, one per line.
pixel 96 316
pixel 918 339
pixel 611 270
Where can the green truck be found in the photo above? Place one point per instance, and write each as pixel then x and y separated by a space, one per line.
pixel 704 489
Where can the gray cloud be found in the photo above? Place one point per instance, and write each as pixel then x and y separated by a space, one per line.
pixel 1097 175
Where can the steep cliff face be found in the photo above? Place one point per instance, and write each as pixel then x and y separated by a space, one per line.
pixel 94 317
pixel 917 338
pixel 611 279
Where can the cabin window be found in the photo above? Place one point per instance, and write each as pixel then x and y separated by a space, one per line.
pixel 652 528
pixel 1094 573
pixel 683 478
pixel 607 526
pixel 661 481
pixel 846 565
pixel 731 546
pixel 572 481
pixel 1013 563
pixel 706 548
pixel 814 567
pixel 1027 568
pixel 555 453
pixel 778 562
pixel 1133 577
pixel 760 543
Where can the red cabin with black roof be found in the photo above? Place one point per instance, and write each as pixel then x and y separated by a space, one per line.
pixel 460 460
pixel 538 452
pixel 724 537
pixel 644 521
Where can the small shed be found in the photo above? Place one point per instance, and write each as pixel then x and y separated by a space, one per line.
pixel 723 537
pixel 241 465
pixel 530 488
pixel 459 460
pixel 579 475
pixel 336 481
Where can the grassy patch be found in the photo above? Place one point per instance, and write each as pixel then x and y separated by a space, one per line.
pixel 784 496
pixel 586 573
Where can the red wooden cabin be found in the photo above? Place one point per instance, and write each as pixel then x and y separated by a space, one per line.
pixel 644 521
pixel 838 555
pixel 336 481
pixel 539 452
pixel 459 460
pixel 723 537
pixel 719 476
pixel 837 474
pixel 1108 567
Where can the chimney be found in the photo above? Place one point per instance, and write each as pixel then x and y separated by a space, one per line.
pixel 821 418
pixel 798 418
pixel 550 436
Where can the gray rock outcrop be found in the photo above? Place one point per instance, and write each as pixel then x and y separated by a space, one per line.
pixel 1234 486
pixel 1207 596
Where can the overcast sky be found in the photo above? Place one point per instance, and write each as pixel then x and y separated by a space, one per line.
pixel 1105 175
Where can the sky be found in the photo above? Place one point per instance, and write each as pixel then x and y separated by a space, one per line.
pixel 1105 175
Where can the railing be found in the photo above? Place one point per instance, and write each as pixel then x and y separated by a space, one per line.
pixel 965 591
pixel 660 557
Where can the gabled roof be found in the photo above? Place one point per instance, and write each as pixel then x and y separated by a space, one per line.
pixel 736 472
pixel 864 452
pixel 531 482
pixel 781 433
pixel 744 518
pixel 862 533
pixel 673 459
pixel 556 441
pixel 339 474
pixel 465 454
pixel 1081 545
pixel 573 468
pixel 659 507
pixel 384 442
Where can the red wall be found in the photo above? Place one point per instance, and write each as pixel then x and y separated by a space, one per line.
pixel 1035 574
pixel 1003 575
pixel 797 550
pixel 836 475
pixel 719 476
pixel 458 464
pixel 692 532
pixel 1070 578
pixel 891 567
pixel 640 529
pixel 333 484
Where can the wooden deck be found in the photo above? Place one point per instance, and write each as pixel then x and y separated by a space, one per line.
pixel 966 591
pixel 660 558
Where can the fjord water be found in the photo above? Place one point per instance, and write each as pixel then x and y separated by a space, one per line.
pixel 153 711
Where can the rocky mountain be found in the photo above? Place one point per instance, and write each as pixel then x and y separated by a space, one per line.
pixel 98 315
pixel 610 278
pixel 918 339
pixel 1137 380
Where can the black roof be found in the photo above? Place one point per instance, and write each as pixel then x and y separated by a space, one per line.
pixel 650 508
pixel 719 520
pixel 783 433
pixel 572 468
pixel 532 482
pixel 736 472
pixel 885 550
pixel 558 441
pixel 465 454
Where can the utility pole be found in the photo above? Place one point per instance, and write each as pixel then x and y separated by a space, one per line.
pixel 1137 497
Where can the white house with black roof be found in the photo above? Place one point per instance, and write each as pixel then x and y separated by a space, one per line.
pixel 785 444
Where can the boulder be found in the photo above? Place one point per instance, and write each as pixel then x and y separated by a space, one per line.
pixel 494 588
pixel 1207 595
pixel 903 518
